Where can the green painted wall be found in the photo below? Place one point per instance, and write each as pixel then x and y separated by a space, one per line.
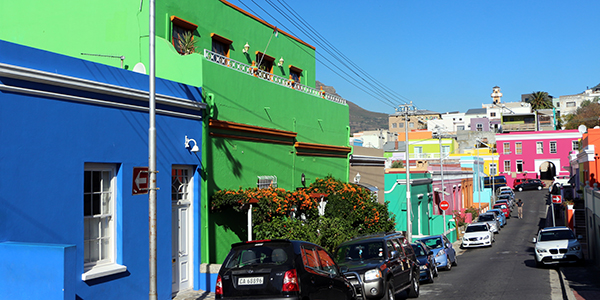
pixel 120 28
pixel 419 207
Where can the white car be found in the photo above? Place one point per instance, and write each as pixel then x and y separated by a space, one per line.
pixel 556 245
pixel 477 235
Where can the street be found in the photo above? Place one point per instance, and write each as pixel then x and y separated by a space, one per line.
pixel 507 269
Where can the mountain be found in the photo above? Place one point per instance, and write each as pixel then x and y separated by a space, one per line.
pixel 360 118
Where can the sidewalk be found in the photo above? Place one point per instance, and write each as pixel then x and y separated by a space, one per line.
pixel 195 295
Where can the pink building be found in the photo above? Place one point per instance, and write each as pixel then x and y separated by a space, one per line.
pixel 540 154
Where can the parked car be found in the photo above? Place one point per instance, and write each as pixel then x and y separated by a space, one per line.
pixel 518 181
pixel 379 265
pixel 490 219
pixel 445 255
pixel 557 245
pixel 504 201
pixel 499 216
pixel 530 184
pixel 504 208
pixel 510 199
pixel 477 235
pixel 426 261
pixel 504 188
pixel 282 269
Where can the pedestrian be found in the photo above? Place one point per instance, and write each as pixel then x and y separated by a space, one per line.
pixel 520 208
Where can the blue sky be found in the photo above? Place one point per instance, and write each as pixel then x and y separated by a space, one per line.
pixel 447 55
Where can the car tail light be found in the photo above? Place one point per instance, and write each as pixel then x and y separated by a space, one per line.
pixel 219 286
pixel 290 281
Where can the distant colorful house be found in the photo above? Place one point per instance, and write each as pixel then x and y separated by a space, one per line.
pixel 540 155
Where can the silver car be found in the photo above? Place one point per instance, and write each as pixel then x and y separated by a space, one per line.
pixel 490 218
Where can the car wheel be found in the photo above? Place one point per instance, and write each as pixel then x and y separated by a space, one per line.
pixel 413 291
pixel 455 262
pixel 448 264
pixel 539 187
pixel 389 293
pixel 430 276
pixel 520 189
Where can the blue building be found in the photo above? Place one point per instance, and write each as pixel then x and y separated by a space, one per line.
pixel 72 225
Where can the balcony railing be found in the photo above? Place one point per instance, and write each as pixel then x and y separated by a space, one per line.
pixel 254 71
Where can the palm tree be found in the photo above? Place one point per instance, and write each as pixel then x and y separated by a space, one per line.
pixel 539 100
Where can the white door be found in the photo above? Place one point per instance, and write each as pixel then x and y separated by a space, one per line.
pixel 181 196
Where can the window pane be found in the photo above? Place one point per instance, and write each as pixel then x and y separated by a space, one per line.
pixel 96 181
pixel 87 205
pixel 87 182
pixel 95 204
pixel 94 250
pixel 86 252
pixel 106 253
pixel 94 231
pixel 104 228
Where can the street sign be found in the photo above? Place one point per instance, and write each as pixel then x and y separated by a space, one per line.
pixel 140 181
pixel 444 205
pixel 557 199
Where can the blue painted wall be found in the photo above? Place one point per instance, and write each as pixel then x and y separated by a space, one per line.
pixel 45 144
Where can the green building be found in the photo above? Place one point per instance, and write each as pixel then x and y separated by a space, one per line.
pixel 264 124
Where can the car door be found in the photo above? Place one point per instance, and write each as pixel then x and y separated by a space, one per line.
pixel 314 283
pixel 402 267
pixel 449 249
pixel 338 286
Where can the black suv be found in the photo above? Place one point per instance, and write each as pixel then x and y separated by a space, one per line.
pixel 281 269
pixel 379 265
pixel 530 184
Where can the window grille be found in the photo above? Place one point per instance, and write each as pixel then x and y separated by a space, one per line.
pixel 265 182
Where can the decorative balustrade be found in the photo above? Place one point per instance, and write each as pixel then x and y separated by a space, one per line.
pixel 255 71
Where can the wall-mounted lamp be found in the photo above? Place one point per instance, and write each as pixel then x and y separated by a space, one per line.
pixel 187 145
pixel 357 178
pixel 303 180
pixel 280 64
pixel 246 48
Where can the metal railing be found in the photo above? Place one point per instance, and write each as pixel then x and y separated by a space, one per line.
pixel 256 72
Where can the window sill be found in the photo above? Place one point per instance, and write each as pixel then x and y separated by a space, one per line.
pixel 102 271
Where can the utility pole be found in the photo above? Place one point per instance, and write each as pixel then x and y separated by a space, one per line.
pixel 406 110
pixel 439 134
pixel 153 293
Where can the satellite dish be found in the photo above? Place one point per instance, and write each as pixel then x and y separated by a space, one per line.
pixel 140 68
pixel 582 129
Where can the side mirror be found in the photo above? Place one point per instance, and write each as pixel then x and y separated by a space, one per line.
pixel 449 245
pixel 534 240
pixel 579 237
pixel 343 269
pixel 394 255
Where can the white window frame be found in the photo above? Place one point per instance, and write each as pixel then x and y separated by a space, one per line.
pixel 505 148
pixel 519 164
pixel 445 150
pixel 507 166
pixel 575 145
pixel 265 182
pixel 539 147
pixel 518 148
pixel 108 215
pixel 553 147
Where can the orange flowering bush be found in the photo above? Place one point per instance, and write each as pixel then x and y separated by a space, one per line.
pixel 276 213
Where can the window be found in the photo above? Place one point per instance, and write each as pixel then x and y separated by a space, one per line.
pixel 182 35
pixel 575 145
pixel 492 114
pixel 519 166
pixel 460 127
pixel 571 104
pixel 411 125
pixel 295 74
pixel 493 169
pixel 479 127
pixel 394 125
pixel 507 166
pixel 400 125
pixel 418 151
pixel 99 217
pixel 180 184
pixel 539 146
pixel 264 62
pixel 265 182
pixel 519 148
pixel 553 147
pixel 445 149
pixel 220 45
pixel 506 148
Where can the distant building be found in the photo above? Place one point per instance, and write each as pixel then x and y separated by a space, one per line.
pixel 568 104
pixel 373 138
pixel 416 121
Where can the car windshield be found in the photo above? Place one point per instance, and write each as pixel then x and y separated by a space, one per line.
pixel 501 206
pixel 419 251
pixel 554 235
pixel 476 228
pixel 252 254
pixel 433 243
pixel 360 251
pixel 486 218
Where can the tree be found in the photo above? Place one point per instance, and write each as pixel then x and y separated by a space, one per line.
pixel 587 114
pixel 539 100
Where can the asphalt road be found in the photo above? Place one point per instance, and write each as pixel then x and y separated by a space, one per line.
pixel 507 269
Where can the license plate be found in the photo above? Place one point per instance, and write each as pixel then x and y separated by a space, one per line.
pixel 560 256
pixel 250 280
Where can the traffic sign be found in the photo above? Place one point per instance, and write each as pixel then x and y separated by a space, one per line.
pixel 557 199
pixel 444 205
pixel 140 181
